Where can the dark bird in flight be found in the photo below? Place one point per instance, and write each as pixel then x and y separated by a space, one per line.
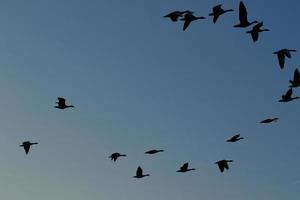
pixel 176 14
pixel 139 173
pixel 256 30
pixel 26 145
pixel 296 81
pixel 217 11
pixel 154 151
pixel 281 54
pixel 184 168
pixel 115 156
pixel 270 120
pixel 287 97
pixel 61 104
pixel 243 17
pixel 188 18
pixel 235 138
pixel 223 164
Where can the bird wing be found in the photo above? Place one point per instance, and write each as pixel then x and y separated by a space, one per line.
pixel 296 75
pixel 289 93
pixel 184 166
pixel 61 100
pixel 26 148
pixel 139 171
pixel 287 54
pixel 186 24
pixel 254 35
pixel 281 60
pixel 243 12
pixel 216 17
pixel 221 167
pixel 216 8
pixel 258 26
pixel 236 136
pixel 226 166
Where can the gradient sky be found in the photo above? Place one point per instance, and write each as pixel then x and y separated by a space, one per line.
pixel 139 82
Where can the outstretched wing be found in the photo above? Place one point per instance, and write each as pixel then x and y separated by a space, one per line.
pixel 221 167
pixel 186 24
pixel 287 53
pixel 289 93
pixel 243 12
pixel 26 148
pixel 254 35
pixel 184 166
pixel 61 100
pixel 296 75
pixel 139 172
pixel 281 59
pixel 236 136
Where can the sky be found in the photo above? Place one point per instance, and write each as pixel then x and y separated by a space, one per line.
pixel 138 82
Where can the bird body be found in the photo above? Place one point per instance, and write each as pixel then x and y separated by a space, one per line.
pixel 256 30
pixel 243 17
pixel 223 164
pixel 184 168
pixel 61 104
pixel 217 11
pixel 154 151
pixel 139 173
pixel 115 156
pixel 269 120
pixel 175 15
pixel 26 145
pixel 188 18
pixel 235 138
pixel 287 97
pixel 281 54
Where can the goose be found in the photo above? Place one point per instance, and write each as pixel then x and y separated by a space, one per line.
pixel 176 14
pixel 269 120
pixel 188 18
pixel 26 145
pixel 61 104
pixel 154 151
pixel 217 11
pixel 296 81
pixel 281 54
pixel 139 173
pixel 115 156
pixel 223 164
pixel 256 30
pixel 287 97
pixel 184 168
pixel 243 17
pixel 235 138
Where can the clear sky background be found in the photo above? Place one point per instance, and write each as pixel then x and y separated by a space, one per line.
pixel 139 82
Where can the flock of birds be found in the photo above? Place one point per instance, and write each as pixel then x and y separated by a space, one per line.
pixel 188 17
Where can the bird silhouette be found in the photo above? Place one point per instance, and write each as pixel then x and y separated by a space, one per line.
pixel 188 18
pixel 235 138
pixel 296 81
pixel 184 168
pixel 287 97
pixel 243 17
pixel 154 151
pixel 26 145
pixel 175 15
pixel 256 30
pixel 281 54
pixel 115 156
pixel 223 164
pixel 139 173
pixel 61 104
pixel 269 120
pixel 217 11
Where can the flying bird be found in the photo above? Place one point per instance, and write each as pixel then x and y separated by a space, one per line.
pixel 115 156
pixel 296 81
pixel 256 30
pixel 26 145
pixel 235 138
pixel 61 104
pixel 287 97
pixel 175 15
pixel 281 54
pixel 269 120
pixel 154 151
pixel 188 18
pixel 223 164
pixel 243 17
pixel 217 11
pixel 139 173
pixel 184 168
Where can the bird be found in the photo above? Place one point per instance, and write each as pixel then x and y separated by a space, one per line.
pixel 184 168
pixel 235 138
pixel 256 30
pixel 269 120
pixel 223 164
pixel 243 17
pixel 139 173
pixel 61 104
pixel 281 54
pixel 176 14
pixel 154 151
pixel 115 156
pixel 217 11
pixel 26 145
pixel 188 18
pixel 287 97
pixel 296 81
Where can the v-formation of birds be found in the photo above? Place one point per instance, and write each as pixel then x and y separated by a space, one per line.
pixel 188 17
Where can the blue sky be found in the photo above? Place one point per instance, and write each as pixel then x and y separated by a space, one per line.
pixel 139 82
